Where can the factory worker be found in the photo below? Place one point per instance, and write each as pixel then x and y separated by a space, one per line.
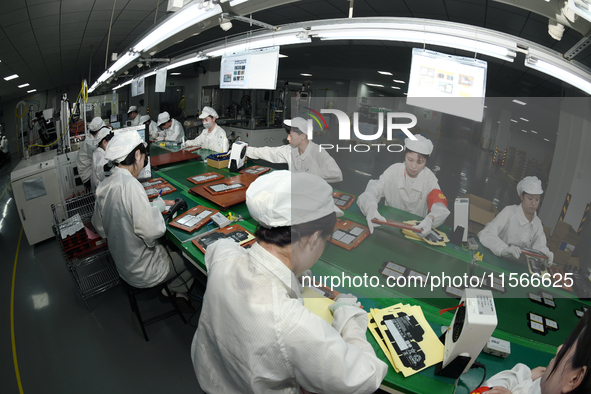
pixel 301 155
pixel 518 225
pixel 124 216
pixel 102 139
pixel 84 160
pixel 409 186
pixel 145 119
pixel 4 148
pixel 172 130
pixel 213 137
pixel 254 333
pixel 133 115
pixel 568 372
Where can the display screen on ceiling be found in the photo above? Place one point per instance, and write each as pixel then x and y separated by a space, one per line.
pixel 449 84
pixel 256 69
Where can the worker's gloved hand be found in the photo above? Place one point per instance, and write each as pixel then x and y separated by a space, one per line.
pixel 344 300
pixel 160 204
pixel 512 251
pixel 425 226
pixel 373 214
pixel 183 145
pixel 550 259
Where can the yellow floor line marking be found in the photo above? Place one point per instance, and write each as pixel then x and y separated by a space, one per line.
pixel 18 375
pixel 6 188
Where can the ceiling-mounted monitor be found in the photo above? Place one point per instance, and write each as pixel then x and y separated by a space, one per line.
pixel 450 84
pixel 256 69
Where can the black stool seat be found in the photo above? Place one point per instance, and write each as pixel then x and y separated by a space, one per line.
pixel 132 292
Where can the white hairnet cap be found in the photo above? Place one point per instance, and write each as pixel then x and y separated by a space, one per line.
pixel 163 118
pixel 133 108
pixel 100 135
pixel 530 185
pixel 96 124
pixel 422 145
pixel 121 145
pixel 285 198
pixel 208 111
pixel 299 123
pixel 144 118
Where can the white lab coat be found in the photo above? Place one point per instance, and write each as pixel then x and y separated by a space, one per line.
pixel 84 159
pixel 154 130
pixel 4 145
pixel 175 133
pixel 393 186
pixel 255 335
pixel 512 227
pixel 517 380
pixel 136 121
pixel 98 164
pixel 123 215
pixel 314 160
pixel 216 140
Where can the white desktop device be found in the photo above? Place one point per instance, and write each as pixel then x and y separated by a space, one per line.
pixel 462 215
pixel 237 156
pixel 470 330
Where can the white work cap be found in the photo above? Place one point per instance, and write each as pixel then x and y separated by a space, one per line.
pixel 421 145
pixel 208 111
pixel 285 198
pixel 96 124
pixel 144 118
pixel 530 185
pixel 121 145
pixel 102 133
pixel 299 123
pixel 133 108
pixel 163 118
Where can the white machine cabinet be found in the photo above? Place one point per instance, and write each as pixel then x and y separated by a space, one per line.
pixel 35 188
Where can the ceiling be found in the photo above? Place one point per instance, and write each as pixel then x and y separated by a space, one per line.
pixel 58 43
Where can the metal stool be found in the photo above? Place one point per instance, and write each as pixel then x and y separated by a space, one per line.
pixel 133 291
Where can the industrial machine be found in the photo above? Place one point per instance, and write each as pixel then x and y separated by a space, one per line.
pixel 237 156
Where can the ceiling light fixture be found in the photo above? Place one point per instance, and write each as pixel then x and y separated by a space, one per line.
pixel 31 91
pixel 13 76
pixel 535 132
pixel 306 75
pixel 255 43
pixel 398 81
pixel 525 120
pixel 375 85
pixel 556 67
pixel 394 87
pixel 519 102
pixel 524 131
pixel 385 72
pixel 513 120
pixel 175 73
pixel 281 56
pixel 24 85
pixel 546 140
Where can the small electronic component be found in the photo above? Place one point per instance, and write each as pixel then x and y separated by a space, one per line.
pixel 343 200
pixel 497 347
pixel 220 188
pixel 255 170
pixel 236 233
pixel 220 220
pixel 472 244
pixel 204 178
pixel 536 323
pixel 194 218
pixel 348 235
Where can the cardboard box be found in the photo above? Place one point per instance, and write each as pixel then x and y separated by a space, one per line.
pixel 218 163
pixel 563 242
pixel 481 212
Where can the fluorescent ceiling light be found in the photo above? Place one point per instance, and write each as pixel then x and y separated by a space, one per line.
pixel 546 140
pixel 31 91
pixel 13 76
pixel 181 20
pixel 535 132
pixel 525 131
pixel 236 2
pixel 513 120
pixel 123 84
pixel 421 37
pixel 123 61
pixel 385 72
pixel 375 85
pixel 281 56
pixel 175 73
pixel 406 94
pixel 306 75
pixel 24 85
pixel 254 43
pixel 394 87
pixel 525 120
pixel 193 59
pixel 519 102
pixel 398 81
pixel 561 73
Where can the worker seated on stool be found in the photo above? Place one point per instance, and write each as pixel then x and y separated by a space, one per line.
pixel 172 129
pixel 518 225
pixel 213 137
pixel 301 155
pixel 124 216
pixel 409 186
pixel 254 333
pixel 568 372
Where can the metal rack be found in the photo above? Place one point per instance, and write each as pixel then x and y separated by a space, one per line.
pixel 91 267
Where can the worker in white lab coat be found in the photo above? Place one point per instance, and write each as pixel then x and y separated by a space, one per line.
pixel 4 155
pixel 254 333
pixel 172 129
pixel 567 373
pixel 301 155
pixel 153 129
pixel 518 226
pixel 102 139
pixel 84 159
pixel 133 115
pixel 213 137
pixel 132 225
pixel 409 186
